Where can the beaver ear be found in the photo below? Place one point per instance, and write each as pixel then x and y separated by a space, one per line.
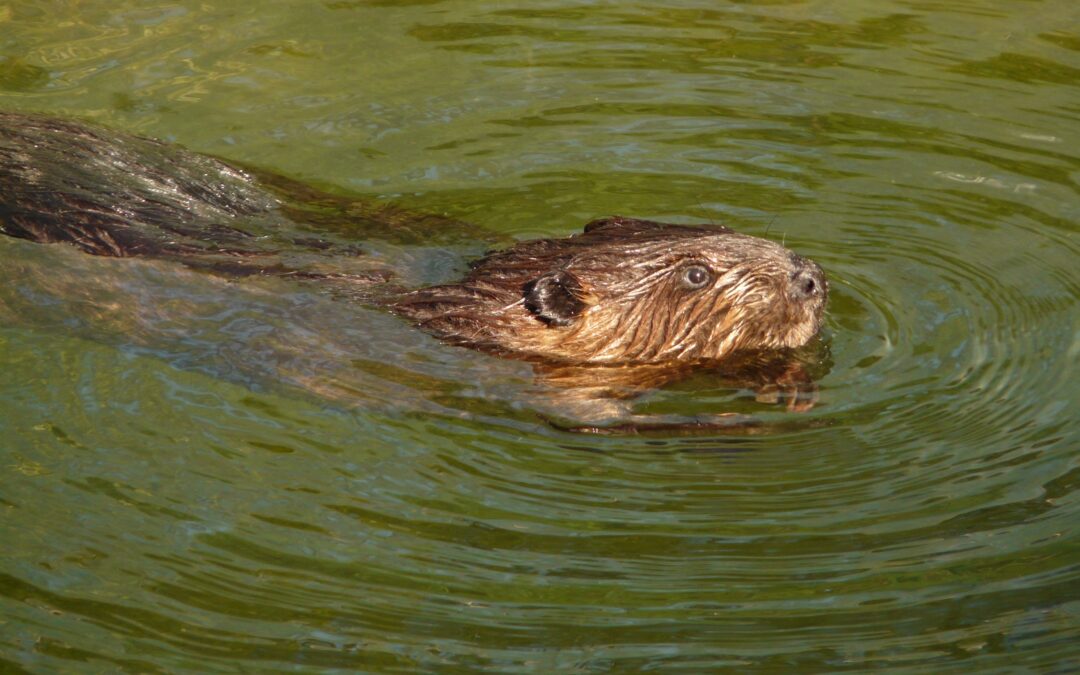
pixel 556 298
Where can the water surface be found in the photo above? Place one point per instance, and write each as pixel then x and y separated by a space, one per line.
pixel 171 504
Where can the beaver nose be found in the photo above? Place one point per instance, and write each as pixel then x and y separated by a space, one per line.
pixel 808 280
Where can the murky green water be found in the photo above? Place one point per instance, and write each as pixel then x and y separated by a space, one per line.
pixel 370 500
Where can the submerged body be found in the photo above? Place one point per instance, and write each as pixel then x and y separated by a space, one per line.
pixel 624 291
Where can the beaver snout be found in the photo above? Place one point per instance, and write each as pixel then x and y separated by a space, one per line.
pixel 808 280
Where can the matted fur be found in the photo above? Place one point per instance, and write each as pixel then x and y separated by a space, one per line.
pixel 629 299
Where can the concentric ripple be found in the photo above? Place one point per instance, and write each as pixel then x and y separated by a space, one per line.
pixel 209 476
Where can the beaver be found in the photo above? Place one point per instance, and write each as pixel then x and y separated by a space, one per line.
pixel 622 292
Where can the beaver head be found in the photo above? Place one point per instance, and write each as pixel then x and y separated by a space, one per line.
pixel 629 291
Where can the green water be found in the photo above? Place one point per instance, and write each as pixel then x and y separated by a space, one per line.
pixel 238 493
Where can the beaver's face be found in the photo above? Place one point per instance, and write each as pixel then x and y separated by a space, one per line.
pixel 630 291
pixel 692 295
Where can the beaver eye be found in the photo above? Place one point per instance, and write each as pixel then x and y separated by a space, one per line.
pixel 695 276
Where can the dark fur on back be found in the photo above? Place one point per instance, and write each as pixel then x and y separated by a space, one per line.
pixel 115 194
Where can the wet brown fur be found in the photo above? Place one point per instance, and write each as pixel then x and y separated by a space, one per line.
pixel 114 194
pixel 619 293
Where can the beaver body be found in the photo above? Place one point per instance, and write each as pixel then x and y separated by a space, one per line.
pixel 624 291
pixel 120 195
pixel 115 194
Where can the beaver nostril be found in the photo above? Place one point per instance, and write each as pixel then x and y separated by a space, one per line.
pixel 805 284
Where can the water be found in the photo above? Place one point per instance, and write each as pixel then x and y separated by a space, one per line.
pixel 169 507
